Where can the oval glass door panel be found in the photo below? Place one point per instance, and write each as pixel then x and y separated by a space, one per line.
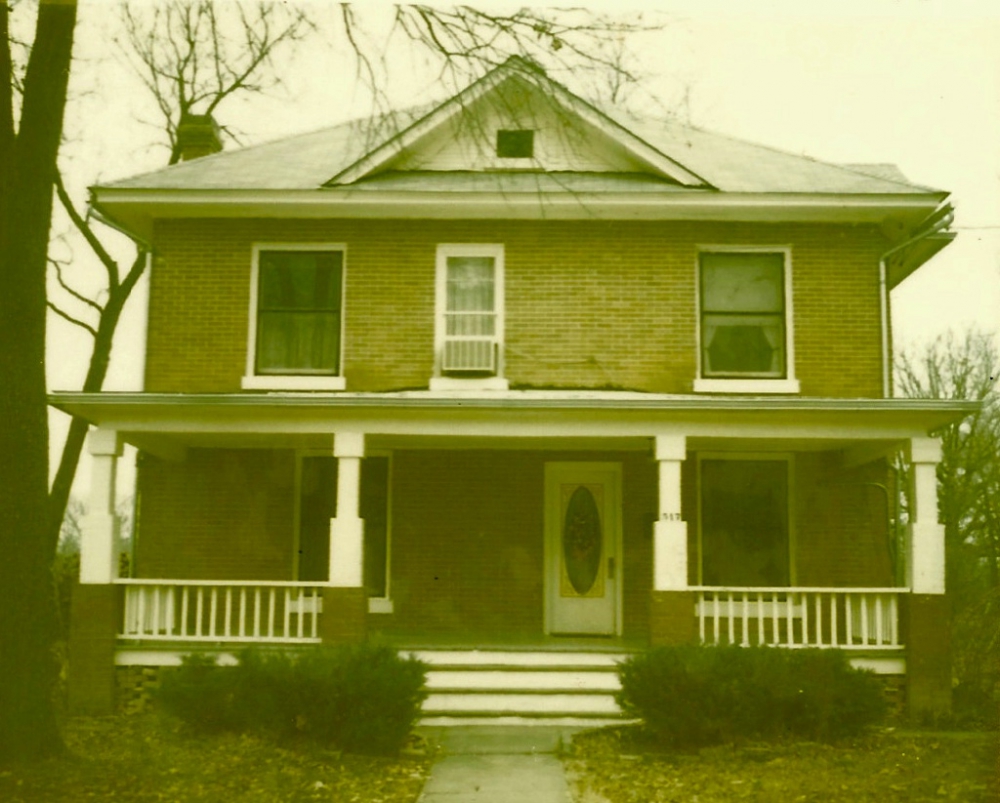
pixel 582 540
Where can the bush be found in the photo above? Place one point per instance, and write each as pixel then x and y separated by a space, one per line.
pixel 362 699
pixel 694 696
pixel 199 692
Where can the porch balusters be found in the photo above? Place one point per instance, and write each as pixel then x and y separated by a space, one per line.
pixel 217 611
pixel 864 618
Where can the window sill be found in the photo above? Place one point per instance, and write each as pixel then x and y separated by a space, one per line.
pixel 379 605
pixel 746 386
pixel 477 383
pixel 267 382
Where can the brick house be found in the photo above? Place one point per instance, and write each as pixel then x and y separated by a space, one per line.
pixel 512 375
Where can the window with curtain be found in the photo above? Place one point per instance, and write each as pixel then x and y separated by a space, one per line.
pixel 470 297
pixel 469 333
pixel 299 308
pixel 743 327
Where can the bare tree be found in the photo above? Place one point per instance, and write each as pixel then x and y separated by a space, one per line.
pixel 191 58
pixel 967 367
pixel 464 42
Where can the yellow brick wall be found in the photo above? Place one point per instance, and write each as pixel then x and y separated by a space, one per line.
pixel 588 304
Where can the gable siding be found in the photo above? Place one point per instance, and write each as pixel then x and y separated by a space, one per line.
pixel 588 303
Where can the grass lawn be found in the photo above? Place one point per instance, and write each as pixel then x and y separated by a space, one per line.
pixel 149 758
pixel 889 766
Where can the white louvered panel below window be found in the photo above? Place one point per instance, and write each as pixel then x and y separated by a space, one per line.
pixel 469 355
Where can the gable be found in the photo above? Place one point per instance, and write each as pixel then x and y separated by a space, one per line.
pixel 517 94
pixel 561 140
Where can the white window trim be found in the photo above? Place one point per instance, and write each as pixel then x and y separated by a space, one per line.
pixel 251 379
pixel 786 384
pixel 445 250
pixel 375 604
pixel 789 459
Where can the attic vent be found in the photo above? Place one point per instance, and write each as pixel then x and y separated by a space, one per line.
pixel 518 144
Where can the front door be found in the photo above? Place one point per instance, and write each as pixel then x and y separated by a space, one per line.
pixel 583 548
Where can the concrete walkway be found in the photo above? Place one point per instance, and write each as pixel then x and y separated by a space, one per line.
pixel 497 764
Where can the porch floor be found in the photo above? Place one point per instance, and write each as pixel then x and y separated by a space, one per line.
pixel 505 642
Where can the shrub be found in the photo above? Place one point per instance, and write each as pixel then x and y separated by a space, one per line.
pixel 362 699
pixel 199 692
pixel 693 696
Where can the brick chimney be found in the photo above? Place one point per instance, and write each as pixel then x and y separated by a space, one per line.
pixel 198 135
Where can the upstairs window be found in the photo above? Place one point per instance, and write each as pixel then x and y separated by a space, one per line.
pixel 470 319
pixel 519 144
pixel 743 315
pixel 299 309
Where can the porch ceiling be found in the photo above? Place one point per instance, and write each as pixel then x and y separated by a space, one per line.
pixel 167 424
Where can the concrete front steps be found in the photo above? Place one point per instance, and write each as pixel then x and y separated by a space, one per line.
pixel 520 687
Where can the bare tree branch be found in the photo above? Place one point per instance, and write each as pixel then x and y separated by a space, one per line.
pixel 191 57
pixel 110 266
pixel 71 319
pixel 76 294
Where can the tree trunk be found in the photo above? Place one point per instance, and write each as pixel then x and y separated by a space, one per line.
pixel 27 170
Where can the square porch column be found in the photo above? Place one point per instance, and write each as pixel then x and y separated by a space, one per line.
pixel 928 614
pixel 672 618
pixel 345 605
pixel 95 610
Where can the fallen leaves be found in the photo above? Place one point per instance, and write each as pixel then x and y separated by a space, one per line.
pixel 616 766
pixel 146 758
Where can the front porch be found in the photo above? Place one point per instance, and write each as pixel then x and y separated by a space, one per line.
pixel 583 526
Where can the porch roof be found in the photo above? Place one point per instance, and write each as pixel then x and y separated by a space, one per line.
pixel 167 423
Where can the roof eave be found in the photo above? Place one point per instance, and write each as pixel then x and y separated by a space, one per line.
pixel 135 209
pixel 176 412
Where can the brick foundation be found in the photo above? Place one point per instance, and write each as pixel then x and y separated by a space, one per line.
pixel 345 616
pixel 894 691
pixel 136 686
pixel 927 632
pixel 96 610
pixel 672 618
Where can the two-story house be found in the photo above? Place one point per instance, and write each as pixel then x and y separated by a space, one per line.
pixel 520 384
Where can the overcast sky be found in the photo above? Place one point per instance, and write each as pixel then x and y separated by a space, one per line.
pixel 913 83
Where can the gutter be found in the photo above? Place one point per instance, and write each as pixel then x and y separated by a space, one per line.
pixel 95 211
pixel 510 400
pixel 940 220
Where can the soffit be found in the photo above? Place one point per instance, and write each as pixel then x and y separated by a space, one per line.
pixel 574 420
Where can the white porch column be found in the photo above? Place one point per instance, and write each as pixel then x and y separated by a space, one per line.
pixel 926 547
pixel 670 552
pixel 347 529
pixel 99 536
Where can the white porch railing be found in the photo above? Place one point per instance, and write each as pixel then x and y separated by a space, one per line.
pixel 847 618
pixel 220 611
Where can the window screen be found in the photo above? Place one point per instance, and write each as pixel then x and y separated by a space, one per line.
pixel 744 523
